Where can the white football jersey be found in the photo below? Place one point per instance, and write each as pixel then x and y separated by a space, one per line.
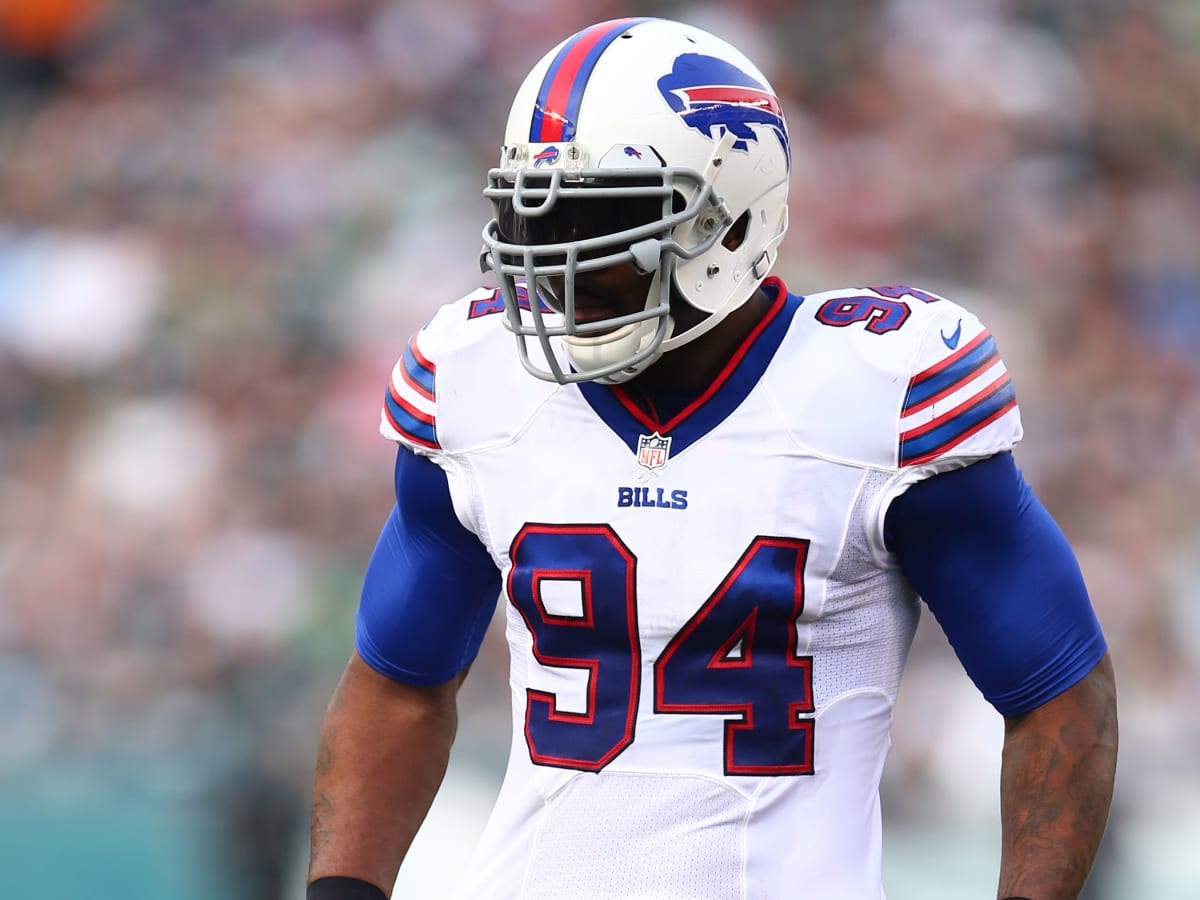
pixel 706 630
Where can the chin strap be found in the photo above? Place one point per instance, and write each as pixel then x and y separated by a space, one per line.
pixel 597 352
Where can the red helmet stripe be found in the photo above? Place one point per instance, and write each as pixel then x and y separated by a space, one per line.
pixel 561 93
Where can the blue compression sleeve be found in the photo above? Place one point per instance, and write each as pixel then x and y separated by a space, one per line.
pixel 430 587
pixel 1000 578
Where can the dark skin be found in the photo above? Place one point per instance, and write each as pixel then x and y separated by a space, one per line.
pixel 1056 783
pixel 622 291
pixel 385 745
pixel 383 752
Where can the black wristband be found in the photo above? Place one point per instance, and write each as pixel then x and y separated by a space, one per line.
pixel 337 887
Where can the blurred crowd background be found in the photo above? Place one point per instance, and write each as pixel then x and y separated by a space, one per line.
pixel 220 220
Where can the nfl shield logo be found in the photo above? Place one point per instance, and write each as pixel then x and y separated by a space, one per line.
pixel 653 450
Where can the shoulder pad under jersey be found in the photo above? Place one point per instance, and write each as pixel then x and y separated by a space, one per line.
pixel 898 378
pixel 458 385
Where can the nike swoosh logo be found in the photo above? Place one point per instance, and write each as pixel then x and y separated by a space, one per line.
pixel 952 340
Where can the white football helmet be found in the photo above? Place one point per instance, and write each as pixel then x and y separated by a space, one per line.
pixel 640 141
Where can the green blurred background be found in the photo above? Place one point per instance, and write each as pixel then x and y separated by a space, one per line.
pixel 220 220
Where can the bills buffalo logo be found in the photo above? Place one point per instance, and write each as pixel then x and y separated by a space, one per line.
pixel 547 157
pixel 633 152
pixel 714 96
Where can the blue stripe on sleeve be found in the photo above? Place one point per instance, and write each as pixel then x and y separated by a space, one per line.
pixel 960 370
pixel 982 409
pixel 430 587
pixel 409 425
pixel 1000 578
pixel 418 372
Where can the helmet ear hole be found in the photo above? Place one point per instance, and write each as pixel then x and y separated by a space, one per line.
pixel 737 232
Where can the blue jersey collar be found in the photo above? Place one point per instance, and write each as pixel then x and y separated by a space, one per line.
pixel 629 420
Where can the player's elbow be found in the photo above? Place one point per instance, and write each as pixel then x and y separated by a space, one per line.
pixel 1082 720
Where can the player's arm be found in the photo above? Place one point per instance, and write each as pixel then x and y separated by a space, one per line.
pixel 382 756
pixel 1056 782
pixel 1004 585
pixel 429 592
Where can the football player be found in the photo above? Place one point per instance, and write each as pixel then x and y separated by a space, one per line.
pixel 711 509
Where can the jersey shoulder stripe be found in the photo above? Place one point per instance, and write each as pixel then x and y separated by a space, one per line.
pixel 953 399
pixel 943 378
pixel 922 375
pixel 418 372
pixel 409 404
pixel 932 439
pixel 444 392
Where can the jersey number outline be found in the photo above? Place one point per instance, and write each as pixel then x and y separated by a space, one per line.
pixel 736 657
pixel 883 311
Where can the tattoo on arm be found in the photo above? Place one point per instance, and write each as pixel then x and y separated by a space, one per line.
pixel 1056 787
pixel 322 803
